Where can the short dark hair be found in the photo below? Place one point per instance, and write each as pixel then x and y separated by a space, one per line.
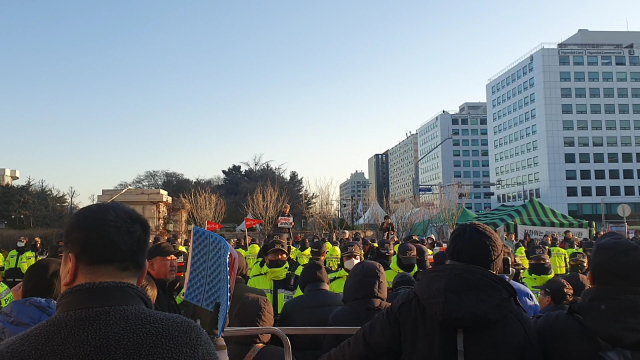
pixel 42 280
pixel 387 217
pixel 108 234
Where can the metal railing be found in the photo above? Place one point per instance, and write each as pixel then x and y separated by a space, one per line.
pixel 529 53
pixel 282 333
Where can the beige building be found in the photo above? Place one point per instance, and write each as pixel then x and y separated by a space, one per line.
pixel 403 169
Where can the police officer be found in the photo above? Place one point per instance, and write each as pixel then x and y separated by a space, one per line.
pixel 317 252
pixel 578 263
pixel 559 257
pixel 275 274
pixel 404 261
pixel 332 262
pixel 303 252
pixel 351 256
pixel 384 254
pixel 30 257
pixel 252 253
pixel 13 273
pixel 540 270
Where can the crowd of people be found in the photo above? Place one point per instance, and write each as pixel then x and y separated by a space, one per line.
pixel 104 290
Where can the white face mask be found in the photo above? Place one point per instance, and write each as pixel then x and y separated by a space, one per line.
pixel 349 264
pixel 20 244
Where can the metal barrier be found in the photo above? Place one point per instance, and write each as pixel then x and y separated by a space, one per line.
pixel 284 331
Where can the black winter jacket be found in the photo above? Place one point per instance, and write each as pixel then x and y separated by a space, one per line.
pixel 312 309
pixel 604 314
pixel 365 295
pixel 424 323
pixel 165 301
pixel 109 320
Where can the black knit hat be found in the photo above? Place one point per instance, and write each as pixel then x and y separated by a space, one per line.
pixel 440 258
pixel 615 262
pixel 313 272
pixel 578 282
pixel 476 244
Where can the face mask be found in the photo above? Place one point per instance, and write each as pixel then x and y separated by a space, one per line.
pixel 20 244
pixel 349 264
pixel 582 269
pixel 540 269
pixel 406 267
pixel 274 264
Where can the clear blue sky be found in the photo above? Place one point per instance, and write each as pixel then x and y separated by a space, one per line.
pixel 94 92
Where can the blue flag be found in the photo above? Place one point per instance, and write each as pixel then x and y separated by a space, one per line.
pixel 207 281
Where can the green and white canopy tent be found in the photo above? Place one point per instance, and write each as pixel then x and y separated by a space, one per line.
pixel 532 213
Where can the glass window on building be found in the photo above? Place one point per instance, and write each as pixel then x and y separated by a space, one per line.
pixel 567 108
pixel 606 61
pixel 635 76
pixel 629 191
pixel 607 93
pixel 586 191
pixel 594 76
pixel 596 124
pixel 465 132
pixel 627 174
pixel 466 121
pixel 623 93
pixel 609 108
pixel 594 93
pixel 607 76
pixel 565 76
pixel 578 76
pixel 601 191
pixel 569 158
pixel 583 141
pixel 597 141
pixel 581 108
pixel 635 92
pixel 611 124
pixel 581 92
pixel 584 158
pixel 598 158
pixel 595 108
pixel 612 141
pixel 572 191
pixel 569 142
pixel 625 141
pixel 564 60
pixel 566 92
pixel 621 60
pixel 599 175
pixel 582 125
pixel 614 174
pixel 585 174
pixel 634 60
pixel 627 158
pixel 614 190
pixel 592 60
pixel 578 60
pixel 621 76
pixel 567 124
pixel 570 175
pixel 636 109
pixel 623 108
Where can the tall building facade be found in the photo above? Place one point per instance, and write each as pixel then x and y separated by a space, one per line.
pixel 463 159
pixel 403 170
pixel 565 124
pixel 353 192
pixel 379 177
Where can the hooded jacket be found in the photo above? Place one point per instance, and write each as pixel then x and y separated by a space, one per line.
pixel 312 309
pixel 365 295
pixel 112 320
pixel 256 311
pixel 604 314
pixel 23 314
pixel 447 299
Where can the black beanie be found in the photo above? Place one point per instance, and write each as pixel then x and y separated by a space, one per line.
pixel 440 258
pixel 476 244
pixel 615 262
pixel 403 280
pixel 313 272
pixel 42 280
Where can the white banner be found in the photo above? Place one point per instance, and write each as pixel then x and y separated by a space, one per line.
pixel 537 232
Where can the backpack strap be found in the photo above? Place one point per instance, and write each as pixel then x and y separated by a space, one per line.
pixel 253 352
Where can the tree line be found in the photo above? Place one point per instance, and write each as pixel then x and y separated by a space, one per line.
pixel 35 204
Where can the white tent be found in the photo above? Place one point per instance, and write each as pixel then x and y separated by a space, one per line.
pixel 243 227
pixel 374 215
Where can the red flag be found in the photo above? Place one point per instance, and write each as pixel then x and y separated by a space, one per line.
pixel 249 223
pixel 211 226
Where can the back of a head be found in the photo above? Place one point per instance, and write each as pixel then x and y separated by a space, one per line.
pixel 476 244
pixel 614 262
pixel 149 286
pixel 243 268
pixel 108 235
pixel 578 282
pixel 42 280
pixel 253 311
pixel 403 280
pixel 313 272
pixel 367 280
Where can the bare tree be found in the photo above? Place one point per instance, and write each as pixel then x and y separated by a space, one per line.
pixel 204 205
pixel 92 199
pixel 72 194
pixel 265 204
pixel 451 199
pixel 323 210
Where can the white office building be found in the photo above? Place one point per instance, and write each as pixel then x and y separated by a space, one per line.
pixel 353 192
pixel 565 124
pixel 462 159
pixel 403 170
